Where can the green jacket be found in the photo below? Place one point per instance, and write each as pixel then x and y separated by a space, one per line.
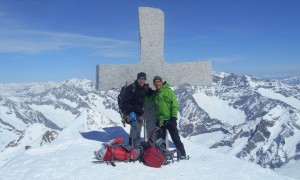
pixel 166 104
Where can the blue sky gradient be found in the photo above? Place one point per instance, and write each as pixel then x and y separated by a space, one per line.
pixel 56 40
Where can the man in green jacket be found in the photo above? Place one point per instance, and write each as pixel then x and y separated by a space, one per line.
pixel 166 107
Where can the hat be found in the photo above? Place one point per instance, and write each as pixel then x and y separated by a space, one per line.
pixel 141 75
pixel 157 78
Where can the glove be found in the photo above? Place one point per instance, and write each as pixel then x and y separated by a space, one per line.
pixel 157 123
pixel 146 87
pixel 161 123
pixel 148 90
pixel 173 118
pixel 132 117
pixel 172 122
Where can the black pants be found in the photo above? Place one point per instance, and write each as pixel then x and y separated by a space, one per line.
pixel 171 126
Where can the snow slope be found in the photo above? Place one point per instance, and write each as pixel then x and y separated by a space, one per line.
pixel 69 158
pixel 271 94
pixel 219 109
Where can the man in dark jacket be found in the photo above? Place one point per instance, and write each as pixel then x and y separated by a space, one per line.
pixel 133 104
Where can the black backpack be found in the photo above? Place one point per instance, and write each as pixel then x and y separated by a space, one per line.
pixel 120 103
pixel 121 97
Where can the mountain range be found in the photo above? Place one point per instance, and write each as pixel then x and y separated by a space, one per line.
pixel 252 119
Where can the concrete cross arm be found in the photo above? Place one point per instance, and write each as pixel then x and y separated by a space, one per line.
pixel 151 23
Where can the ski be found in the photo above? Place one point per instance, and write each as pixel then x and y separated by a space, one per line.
pixel 186 158
pixel 113 163
pixel 168 162
pixel 104 162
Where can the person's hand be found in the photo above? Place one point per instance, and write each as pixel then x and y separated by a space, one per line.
pixel 161 123
pixel 173 122
pixel 157 123
pixel 146 87
pixel 132 116
pixel 173 119
pixel 148 90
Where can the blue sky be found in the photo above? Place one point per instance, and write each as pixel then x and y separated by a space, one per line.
pixel 55 40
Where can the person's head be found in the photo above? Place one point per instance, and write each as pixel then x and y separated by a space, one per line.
pixel 141 78
pixel 158 82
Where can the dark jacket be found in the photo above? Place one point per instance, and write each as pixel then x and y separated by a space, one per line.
pixel 134 98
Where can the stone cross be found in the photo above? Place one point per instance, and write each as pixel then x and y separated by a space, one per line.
pixel 151 23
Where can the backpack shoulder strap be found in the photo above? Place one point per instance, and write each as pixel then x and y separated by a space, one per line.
pixel 153 134
pixel 133 90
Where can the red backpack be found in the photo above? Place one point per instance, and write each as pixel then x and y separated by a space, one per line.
pixel 155 154
pixel 117 151
pixel 153 157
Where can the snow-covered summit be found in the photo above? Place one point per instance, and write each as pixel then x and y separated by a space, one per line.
pixel 83 84
pixel 70 156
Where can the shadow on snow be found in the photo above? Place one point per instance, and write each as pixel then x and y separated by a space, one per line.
pixel 110 133
pixel 106 135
